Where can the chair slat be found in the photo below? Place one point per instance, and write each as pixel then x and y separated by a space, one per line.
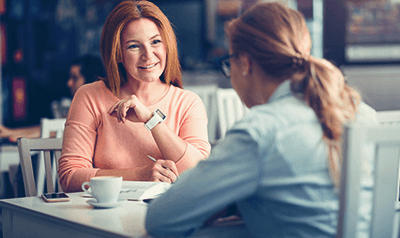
pixel 51 147
pixel 230 109
pixel 49 171
pixel 26 167
pixel 384 219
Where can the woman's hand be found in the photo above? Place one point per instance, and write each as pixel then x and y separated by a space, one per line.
pixel 5 132
pixel 132 109
pixel 159 171
pixel 14 134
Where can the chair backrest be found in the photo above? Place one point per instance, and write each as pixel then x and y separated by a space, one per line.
pixel 386 181
pixel 52 125
pixel 49 128
pixel 51 148
pixel 207 94
pixel 230 109
pixel 388 117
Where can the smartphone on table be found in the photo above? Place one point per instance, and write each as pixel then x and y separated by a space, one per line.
pixel 55 197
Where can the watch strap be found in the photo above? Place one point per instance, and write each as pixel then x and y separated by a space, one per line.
pixel 153 121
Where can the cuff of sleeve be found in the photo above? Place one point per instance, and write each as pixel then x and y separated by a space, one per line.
pixel 75 180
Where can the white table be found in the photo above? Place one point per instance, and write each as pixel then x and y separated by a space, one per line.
pixel 32 217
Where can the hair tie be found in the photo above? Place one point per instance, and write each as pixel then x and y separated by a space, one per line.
pixel 298 60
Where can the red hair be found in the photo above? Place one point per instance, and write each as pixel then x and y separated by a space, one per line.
pixel 110 43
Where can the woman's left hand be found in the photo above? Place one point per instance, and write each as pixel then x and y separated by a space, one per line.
pixel 132 109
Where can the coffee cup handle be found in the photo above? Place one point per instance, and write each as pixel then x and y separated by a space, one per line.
pixel 84 188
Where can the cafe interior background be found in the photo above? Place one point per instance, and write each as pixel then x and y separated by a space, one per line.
pixel 39 38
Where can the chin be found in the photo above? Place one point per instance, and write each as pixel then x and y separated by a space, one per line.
pixel 152 77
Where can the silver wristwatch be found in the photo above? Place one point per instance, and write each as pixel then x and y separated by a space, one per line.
pixel 158 117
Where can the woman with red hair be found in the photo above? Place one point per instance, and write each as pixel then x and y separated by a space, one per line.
pixel 138 109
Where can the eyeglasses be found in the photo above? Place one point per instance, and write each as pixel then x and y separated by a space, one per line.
pixel 226 65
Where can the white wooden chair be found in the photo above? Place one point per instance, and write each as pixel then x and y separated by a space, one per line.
pixel 384 217
pixel 230 109
pixel 49 128
pixel 388 117
pixel 51 147
pixel 207 94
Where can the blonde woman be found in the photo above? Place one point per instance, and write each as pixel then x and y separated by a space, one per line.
pixel 138 109
pixel 280 165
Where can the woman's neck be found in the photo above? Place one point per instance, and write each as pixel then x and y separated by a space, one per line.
pixel 147 93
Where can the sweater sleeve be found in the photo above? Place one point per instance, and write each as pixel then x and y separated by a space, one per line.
pixel 76 162
pixel 193 130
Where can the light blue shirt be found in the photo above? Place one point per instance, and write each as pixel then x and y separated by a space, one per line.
pixel 273 165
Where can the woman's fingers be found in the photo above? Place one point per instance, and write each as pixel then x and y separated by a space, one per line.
pixel 158 175
pixel 163 170
pixel 170 165
pixel 113 108
pixel 120 109
pixel 169 169
pixel 130 108
pixel 126 109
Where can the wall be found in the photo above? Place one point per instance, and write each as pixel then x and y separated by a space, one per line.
pixel 379 85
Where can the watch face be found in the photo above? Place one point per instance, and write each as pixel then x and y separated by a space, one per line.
pixel 160 114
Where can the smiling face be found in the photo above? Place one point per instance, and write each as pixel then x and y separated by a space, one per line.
pixel 143 51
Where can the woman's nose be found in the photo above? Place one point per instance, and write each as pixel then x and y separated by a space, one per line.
pixel 147 53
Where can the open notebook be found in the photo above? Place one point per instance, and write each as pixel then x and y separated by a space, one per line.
pixel 140 190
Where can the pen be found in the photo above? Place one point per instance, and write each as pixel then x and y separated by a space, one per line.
pixel 154 160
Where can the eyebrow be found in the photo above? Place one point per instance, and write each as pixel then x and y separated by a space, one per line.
pixel 157 35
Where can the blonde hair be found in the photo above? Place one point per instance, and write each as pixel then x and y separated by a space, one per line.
pixel 274 36
pixel 110 43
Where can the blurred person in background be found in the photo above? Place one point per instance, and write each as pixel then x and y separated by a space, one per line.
pixel 83 70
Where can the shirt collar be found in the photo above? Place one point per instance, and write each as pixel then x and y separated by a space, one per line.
pixel 283 90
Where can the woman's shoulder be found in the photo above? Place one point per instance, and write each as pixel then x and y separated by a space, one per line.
pixel 97 89
pixel 182 91
pixel 183 95
pixel 93 87
pixel 266 120
pixel 286 111
pixel 366 114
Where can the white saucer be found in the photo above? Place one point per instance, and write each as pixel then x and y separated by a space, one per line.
pixel 94 203
pixel 87 194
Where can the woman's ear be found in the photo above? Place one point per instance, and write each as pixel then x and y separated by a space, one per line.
pixel 245 63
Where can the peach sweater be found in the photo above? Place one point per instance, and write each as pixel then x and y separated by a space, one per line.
pixel 93 139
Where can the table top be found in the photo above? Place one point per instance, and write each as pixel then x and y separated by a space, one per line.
pixel 127 219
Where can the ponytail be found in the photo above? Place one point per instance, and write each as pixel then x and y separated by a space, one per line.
pixel 333 101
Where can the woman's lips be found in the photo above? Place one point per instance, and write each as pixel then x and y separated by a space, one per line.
pixel 148 67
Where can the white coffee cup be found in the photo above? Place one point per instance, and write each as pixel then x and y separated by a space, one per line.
pixel 105 189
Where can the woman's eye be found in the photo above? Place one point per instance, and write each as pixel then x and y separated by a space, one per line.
pixel 133 46
pixel 156 42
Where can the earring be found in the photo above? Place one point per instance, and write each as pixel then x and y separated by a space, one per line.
pixel 244 73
